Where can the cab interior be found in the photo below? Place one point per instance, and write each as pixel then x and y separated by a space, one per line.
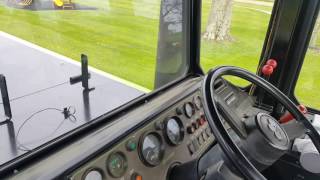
pixel 199 125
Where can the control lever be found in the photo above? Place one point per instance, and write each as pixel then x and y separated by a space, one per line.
pixel 288 116
pixel 267 70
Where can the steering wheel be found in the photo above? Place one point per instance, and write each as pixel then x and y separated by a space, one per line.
pixel 264 123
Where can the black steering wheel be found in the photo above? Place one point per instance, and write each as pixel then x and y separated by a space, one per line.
pixel 216 120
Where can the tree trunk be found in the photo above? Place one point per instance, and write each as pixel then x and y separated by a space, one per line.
pixel 219 21
pixel 314 37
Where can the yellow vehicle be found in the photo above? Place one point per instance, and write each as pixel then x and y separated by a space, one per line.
pixel 58 3
pixel 63 4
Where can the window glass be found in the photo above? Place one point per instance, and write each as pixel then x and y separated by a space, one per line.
pixel 50 93
pixel 308 85
pixel 120 37
pixel 233 32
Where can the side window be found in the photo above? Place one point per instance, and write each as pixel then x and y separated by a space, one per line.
pixel 308 85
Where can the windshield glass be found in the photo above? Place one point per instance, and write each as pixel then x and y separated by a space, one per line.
pixel 233 33
pixel 45 46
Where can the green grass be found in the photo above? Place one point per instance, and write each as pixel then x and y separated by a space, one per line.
pixel 115 41
pixel 244 51
pixel 120 43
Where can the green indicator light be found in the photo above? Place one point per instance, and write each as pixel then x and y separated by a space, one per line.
pixel 131 145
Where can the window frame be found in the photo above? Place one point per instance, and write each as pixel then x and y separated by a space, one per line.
pixel 287 41
pixel 314 12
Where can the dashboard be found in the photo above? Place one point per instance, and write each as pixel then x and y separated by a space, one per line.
pixel 177 135
pixel 143 140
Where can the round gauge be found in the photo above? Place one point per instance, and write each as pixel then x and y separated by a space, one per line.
pixel 197 102
pixel 189 109
pixel 117 164
pixel 151 149
pixel 174 131
pixel 93 174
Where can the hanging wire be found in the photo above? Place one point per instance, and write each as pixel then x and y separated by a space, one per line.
pixel 68 112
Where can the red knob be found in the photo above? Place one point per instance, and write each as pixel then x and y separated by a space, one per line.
pixel 272 63
pixel 267 70
pixel 303 109
pixel 201 121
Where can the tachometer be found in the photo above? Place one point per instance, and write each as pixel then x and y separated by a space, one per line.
pixel 174 131
pixel 151 149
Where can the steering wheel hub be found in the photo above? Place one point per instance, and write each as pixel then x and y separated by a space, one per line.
pixel 272 131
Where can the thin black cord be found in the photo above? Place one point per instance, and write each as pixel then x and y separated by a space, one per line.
pixel 69 115
pixel 38 91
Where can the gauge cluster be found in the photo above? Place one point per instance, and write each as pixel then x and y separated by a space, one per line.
pixel 177 135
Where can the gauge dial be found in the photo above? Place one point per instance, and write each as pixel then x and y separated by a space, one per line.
pixel 189 109
pixel 117 164
pixel 151 149
pixel 174 131
pixel 93 174
pixel 197 102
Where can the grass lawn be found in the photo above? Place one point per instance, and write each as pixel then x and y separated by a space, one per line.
pixel 125 45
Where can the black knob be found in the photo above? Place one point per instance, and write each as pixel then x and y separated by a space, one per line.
pixel 179 110
pixel 190 129
pixel 195 125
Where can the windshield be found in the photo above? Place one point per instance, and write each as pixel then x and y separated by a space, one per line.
pixel 233 33
pixel 47 45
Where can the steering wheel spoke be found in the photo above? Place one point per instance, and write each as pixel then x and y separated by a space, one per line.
pixel 232 119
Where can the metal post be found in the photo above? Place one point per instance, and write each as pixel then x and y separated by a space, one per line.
pixel 5 97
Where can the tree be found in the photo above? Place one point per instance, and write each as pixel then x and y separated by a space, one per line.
pixel 219 21
pixel 315 33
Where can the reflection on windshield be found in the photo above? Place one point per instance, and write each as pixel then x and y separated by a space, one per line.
pixel 171 49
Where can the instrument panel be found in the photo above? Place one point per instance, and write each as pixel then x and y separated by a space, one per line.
pixel 177 135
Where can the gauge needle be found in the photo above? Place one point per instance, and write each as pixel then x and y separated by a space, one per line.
pixel 148 154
